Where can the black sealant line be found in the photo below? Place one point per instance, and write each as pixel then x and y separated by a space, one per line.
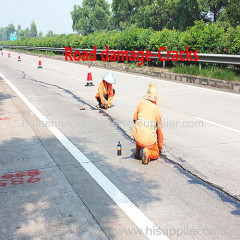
pixel 181 168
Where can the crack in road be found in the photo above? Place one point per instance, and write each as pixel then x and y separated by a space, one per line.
pixel 126 135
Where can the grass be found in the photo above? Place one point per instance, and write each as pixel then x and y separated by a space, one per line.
pixel 132 64
pixel 211 72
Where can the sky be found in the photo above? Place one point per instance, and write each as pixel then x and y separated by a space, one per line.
pixel 47 14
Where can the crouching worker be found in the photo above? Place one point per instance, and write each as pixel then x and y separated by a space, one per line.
pixel 105 91
pixel 148 120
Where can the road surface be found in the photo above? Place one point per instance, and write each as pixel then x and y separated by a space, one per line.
pixel 191 192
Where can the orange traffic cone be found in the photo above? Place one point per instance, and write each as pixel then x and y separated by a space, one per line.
pixel 89 78
pixel 19 58
pixel 8 55
pixel 39 63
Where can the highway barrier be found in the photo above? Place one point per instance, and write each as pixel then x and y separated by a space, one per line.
pixel 203 57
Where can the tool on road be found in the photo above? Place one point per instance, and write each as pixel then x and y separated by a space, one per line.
pixel 82 108
pixel 8 55
pixel 119 149
pixel 39 63
pixel 89 78
pixel 19 58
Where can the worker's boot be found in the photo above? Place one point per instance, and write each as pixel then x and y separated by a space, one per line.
pixel 145 158
pixel 137 155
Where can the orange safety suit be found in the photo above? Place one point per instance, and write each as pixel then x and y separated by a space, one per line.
pixel 105 88
pixel 148 120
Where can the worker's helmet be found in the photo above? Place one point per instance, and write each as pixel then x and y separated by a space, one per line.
pixel 109 78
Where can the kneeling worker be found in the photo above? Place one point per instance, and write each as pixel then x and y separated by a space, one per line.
pixel 148 119
pixel 105 92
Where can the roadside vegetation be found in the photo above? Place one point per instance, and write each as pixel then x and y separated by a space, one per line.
pixel 210 71
pixel 205 38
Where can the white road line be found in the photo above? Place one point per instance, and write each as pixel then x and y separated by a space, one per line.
pixel 77 79
pixel 138 218
pixel 218 125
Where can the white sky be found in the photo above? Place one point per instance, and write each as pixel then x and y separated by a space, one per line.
pixel 47 14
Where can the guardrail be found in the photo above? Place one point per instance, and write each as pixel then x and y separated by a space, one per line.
pixel 203 58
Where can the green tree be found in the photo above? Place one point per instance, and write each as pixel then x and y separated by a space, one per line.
pixel 122 10
pixel 152 13
pixel 231 13
pixel 33 30
pixel 93 15
pixel 7 31
pixel 40 34
pixel 183 13
pixel 19 28
pixel 26 33
pixel 49 34
pixel 1 33
pixel 156 14
pixel 21 34
pixel 215 7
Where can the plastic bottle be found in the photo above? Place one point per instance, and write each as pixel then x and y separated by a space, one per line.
pixel 119 149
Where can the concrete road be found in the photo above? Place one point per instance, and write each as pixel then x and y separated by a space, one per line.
pixel 201 130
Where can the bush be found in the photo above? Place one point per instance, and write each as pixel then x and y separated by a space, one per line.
pixel 160 39
pixel 205 38
pixel 129 38
pixel 144 39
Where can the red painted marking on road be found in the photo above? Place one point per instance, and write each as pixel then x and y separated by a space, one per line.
pixel 3 183
pixel 8 176
pixel 6 118
pixel 18 178
pixel 154 55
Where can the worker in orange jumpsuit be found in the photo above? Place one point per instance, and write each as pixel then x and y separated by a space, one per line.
pixel 106 92
pixel 148 120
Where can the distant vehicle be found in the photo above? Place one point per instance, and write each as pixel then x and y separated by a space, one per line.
pixel 0 47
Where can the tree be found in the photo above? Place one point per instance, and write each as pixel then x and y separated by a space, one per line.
pixel 19 28
pixel 231 13
pixel 26 33
pixel 33 30
pixel 152 14
pixel 1 33
pixel 215 7
pixel 7 31
pixel 184 13
pixel 122 10
pixel 93 15
pixel 49 34
pixel 20 34
pixel 40 35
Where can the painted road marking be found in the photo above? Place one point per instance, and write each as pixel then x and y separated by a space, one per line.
pixel 138 218
pixel 18 178
pixel 218 125
pixel 6 118
pixel 78 79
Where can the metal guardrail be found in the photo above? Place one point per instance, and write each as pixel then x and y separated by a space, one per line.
pixel 207 58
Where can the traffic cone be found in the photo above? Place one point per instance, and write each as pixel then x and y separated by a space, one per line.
pixel 19 58
pixel 89 78
pixel 39 63
pixel 1 52
pixel 8 55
